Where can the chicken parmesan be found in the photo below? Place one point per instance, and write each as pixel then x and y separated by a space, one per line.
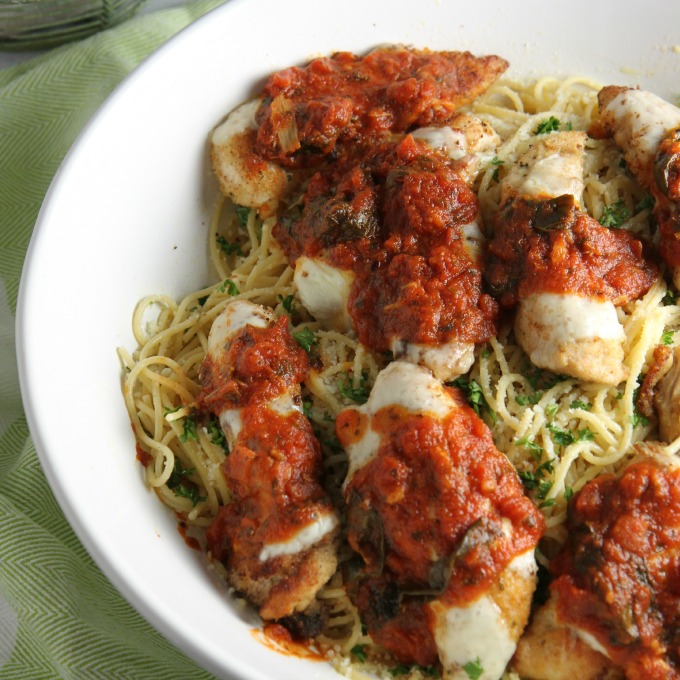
pixel 425 419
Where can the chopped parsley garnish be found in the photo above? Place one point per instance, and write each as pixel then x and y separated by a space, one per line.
pixel 528 479
pixel 474 669
pixel 230 287
pixel 566 437
pixel 583 405
pixel 307 409
pixel 306 339
pixel 532 399
pixel 542 380
pixel 169 410
pixel 647 201
pixel 401 669
pixel 179 472
pixel 496 162
pixel 614 215
pixel 202 300
pixel 543 489
pixel 536 481
pixel 181 485
pixel 216 435
pixel 585 435
pixel 359 652
pixel 189 491
pixel 637 418
pixel 189 430
pixel 475 396
pixel 347 389
pixel 531 446
pixel 545 466
pixel 229 248
pixel 669 298
pixel 551 410
pixel 405 669
pixel 568 493
pixel 287 303
pixel 667 337
pixel 242 213
pixel 547 125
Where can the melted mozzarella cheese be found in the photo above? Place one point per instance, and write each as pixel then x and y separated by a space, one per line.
pixel 590 640
pixel 231 420
pixel 572 317
pixel 450 359
pixel 238 121
pixel 411 387
pixel 231 423
pixel 474 239
pixel 361 452
pixel 639 121
pixel 324 291
pixel 469 141
pixel 244 176
pixel 574 335
pixel 446 361
pixel 478 633
pixel 399 384
pixel 551 167
pixel 481 631
pixel 303 539
pixel 452 142
pixel 546 178
pixel 236 315
pixel 524 564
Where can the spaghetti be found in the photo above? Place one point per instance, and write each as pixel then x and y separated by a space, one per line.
pixel 558 432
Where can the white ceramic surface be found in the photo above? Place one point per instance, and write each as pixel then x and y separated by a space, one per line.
pixel 126 216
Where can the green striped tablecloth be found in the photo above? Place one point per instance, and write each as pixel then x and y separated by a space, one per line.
pixel 59 616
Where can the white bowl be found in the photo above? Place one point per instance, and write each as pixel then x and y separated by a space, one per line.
pixel 126 216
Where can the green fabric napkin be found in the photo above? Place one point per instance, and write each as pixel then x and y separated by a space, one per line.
pixel 59 615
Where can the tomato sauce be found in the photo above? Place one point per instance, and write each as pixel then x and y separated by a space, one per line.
pixel 437 488
pixel 551 247
pixel 656 371
pixel 397 220
pixel 668 218
pixel 618 576
pixel 260 364
pixel 344 100
pixel 382 205
pixel 273 472
pixel 144 457
pixel 278 638
pixel 274 467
